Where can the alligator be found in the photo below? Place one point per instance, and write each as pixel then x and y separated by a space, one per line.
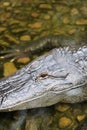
pixel 58 76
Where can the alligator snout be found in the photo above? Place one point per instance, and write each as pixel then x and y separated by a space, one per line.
pixel 59 76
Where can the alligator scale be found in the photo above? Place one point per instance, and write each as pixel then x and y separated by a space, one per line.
pixel 58 76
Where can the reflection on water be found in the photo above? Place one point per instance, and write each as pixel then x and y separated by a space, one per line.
pixel 60 116
pixel 13 120
pixel 24 21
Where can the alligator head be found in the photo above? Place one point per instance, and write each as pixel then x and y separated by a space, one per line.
pixel 59 76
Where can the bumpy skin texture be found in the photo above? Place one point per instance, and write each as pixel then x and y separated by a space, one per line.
pixel 59 76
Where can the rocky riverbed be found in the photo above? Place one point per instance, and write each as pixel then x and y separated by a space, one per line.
pixel 24 21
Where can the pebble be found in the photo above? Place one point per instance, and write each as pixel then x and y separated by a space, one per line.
pixel 72 31
pixel 9 68
pixel 62 107
pixel 66 20
pixel 35 25
pixel 45 6
pixel 62 9
pixel 25 38
pixel 2 29
pixel 81 117
pixel 18 30
pixel 50 12
pixel 23 60
pixel 35 14
pixel 5 16
pixel 47 17
pixel 9 8
pixel 18 129
pixel 81 22
pixel 6 3
pixel 74 11
pixel 16 23
pixel 13 21
pixel 84 10
pixel 64 122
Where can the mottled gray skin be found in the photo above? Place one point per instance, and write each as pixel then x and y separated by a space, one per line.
pixel 59 76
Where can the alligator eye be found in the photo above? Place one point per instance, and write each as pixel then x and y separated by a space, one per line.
pixel 42 76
